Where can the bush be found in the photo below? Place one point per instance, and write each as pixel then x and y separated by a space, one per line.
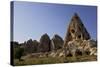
pixel 18 52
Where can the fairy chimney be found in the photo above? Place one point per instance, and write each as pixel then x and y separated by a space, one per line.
pixel 76 30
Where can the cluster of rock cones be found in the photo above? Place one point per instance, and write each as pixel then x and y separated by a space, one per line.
pixel 77 42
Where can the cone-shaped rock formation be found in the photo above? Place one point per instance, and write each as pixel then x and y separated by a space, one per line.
pixel 76 30
pixel 56 42
pixel 44 45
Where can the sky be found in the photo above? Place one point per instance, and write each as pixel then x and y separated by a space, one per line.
pixel 32 20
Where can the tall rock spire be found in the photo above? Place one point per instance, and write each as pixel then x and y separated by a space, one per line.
pixel 76 30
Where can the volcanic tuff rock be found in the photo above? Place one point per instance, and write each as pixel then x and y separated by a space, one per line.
pixel 44 45
pixel 78 40
pixel 76 30
pixel 81 47
pixel 56 42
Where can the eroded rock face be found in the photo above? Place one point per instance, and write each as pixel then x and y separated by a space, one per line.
pixel 76 30
pixel 81 47
pixel 57 53
pixel 89 46
pixel 77 40
pixel 56 42
pixel 71 48
pixel 44 45
pixel 93 51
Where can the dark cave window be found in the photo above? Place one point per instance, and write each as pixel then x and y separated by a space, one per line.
pixel 73 31
pixel 79 36
pixel 72 19
pixel 69 34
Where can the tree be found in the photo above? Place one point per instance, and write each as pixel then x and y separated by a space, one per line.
pixel 18 52
pixel 14 44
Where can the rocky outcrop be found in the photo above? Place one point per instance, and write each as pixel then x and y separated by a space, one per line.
pixel 89 46
pixel 44 45
pixel 76 30
pixel 56 42
pixel 81 47
pixel 57 53
pixel 77 39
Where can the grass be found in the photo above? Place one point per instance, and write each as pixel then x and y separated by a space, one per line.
pixel 81 59
pixel 34 61
pixel 51 60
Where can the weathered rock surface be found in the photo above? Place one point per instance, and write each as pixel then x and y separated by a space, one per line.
pixel 76 30
pixel 44 45
pixel 89 46
pixel 56 42
pixel 86 47
pixel 57 53
pixel 77 39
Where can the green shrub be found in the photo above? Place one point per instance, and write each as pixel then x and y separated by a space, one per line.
pixel 18 52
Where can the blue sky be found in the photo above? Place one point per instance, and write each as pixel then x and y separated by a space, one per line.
pixel 32 20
